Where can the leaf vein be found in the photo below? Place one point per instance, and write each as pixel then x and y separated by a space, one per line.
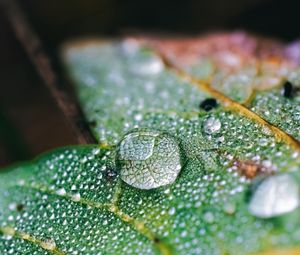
pixel 231 104
pixel 10 231
pixel 112 207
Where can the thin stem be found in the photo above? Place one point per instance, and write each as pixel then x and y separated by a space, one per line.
pixel 33 47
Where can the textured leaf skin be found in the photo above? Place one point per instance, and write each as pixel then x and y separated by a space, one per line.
pixel 75 197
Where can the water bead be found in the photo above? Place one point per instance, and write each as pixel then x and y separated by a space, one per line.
pixel 148 159
pixel 147 65
pixel 274 196
pixel 212 125
pixel 48 244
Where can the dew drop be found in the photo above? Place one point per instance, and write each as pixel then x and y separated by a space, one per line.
pixel 12 206
pixel 130 47
pixel 148 159
pixel 211 125
pixel 146 66
pixel 263 141
pixel 48 244
pixel 229 208
pixel 274 196
pixel 209 217
pixel 172 211
pixel 76 197
pixel 61 192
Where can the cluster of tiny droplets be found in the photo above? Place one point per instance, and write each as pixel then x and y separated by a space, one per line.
pixel 238 85
pixel 270 104
pixel 67 203
pixel 283 112
pixel 127 81
pixel 239 137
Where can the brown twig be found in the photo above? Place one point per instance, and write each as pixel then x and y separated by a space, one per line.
pixel 33 46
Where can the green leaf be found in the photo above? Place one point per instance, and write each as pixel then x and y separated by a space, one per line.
pixel 237 189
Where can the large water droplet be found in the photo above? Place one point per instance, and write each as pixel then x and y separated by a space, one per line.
pixel 276 195
pixel 211 125
pixel 148 159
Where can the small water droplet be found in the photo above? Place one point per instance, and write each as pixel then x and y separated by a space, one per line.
pixel 138 117
pixel 147 65
pixel 12 206
pixel 263 141
pixel 48 244
pixel 130 46
pixel 229 208
pixel 209 217
pixel 172 211
pixel 148 159
pixel 220 139
pixel 274 196
pixel 76 197
pixel 61 192
pixel 211 125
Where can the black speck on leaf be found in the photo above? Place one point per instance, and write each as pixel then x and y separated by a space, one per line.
pixel 288 89
pixel 208 104
pixel 20 207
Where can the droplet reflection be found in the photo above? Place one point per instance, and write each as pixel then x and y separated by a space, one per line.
pixel 148 159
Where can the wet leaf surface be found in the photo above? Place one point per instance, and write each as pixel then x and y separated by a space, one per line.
pixel 169 176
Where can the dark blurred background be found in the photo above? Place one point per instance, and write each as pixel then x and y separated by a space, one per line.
pixel 30 121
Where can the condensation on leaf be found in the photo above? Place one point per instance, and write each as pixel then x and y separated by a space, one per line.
pixel 76 195
pixel 148 159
